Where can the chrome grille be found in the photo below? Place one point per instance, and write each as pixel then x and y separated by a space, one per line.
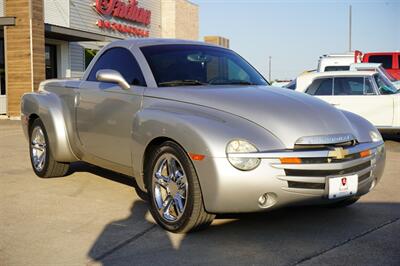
pixel 311 175
pixel 363 177
pixel 293 184
pixel 349 157
pixel 306 168
pixel 298 172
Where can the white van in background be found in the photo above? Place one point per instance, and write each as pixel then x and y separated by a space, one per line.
pixel 336 62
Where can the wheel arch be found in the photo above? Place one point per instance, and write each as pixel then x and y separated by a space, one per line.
pixel 154 143
pixel 47 107
pixel 31 119
pixel 152 128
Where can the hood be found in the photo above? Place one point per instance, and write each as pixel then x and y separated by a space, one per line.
pixel 287 114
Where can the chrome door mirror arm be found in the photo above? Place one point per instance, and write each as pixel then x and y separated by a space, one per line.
pixel 109 75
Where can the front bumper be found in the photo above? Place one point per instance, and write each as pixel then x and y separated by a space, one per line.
pixel 228 190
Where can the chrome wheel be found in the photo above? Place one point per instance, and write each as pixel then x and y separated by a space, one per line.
pixel 38 149
pixel 170 187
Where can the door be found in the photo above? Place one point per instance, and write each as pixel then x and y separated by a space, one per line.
pixel 105 112
pixel 51 61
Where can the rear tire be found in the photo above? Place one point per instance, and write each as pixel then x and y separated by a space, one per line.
pixel 175 197
pixel 42 160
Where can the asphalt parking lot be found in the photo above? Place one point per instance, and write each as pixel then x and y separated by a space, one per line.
pixel 95 217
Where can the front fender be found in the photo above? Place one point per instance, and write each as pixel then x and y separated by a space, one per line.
pixel 198 130
pixel 48 107
pixel 361 126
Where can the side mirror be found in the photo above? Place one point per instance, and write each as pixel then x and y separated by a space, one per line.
pixel 108 75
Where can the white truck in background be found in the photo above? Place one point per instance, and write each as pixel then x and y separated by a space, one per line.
pixel 339 62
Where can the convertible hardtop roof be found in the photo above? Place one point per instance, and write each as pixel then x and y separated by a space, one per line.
pixel 338 74
pixel 136 42
pixel 305 79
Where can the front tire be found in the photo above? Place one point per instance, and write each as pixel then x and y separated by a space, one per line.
pixel 42 160
pixel 176 202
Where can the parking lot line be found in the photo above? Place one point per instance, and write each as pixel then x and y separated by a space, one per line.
pixel 10 134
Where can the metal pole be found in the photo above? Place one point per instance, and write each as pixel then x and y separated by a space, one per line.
pixel 269 69
pixel 350 22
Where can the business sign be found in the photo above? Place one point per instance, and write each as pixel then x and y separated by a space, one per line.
pixel 127 11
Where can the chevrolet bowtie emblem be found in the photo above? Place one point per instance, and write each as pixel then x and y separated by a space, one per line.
pixel 338 153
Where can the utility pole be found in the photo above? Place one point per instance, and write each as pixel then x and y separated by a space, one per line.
pixel 269 69
pixel 350 22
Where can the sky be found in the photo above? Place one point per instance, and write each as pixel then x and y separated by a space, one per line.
pixel 296 33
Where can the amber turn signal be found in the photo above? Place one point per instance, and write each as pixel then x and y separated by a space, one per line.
pixel 288 160
pixel 196 157
pixel 366 153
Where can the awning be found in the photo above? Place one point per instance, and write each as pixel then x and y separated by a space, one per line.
pixel 7 21
pixel 73 35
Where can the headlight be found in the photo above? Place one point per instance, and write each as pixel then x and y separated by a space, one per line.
pixel 375 136
pixel 242 146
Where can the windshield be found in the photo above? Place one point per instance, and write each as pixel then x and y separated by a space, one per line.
pixel 291 85
pixel 196 65
pixel 387 74
pixel 336 68
pixel 384 85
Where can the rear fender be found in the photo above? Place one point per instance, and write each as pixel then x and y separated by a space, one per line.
pixel 48 107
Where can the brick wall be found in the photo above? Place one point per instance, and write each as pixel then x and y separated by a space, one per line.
pixel 180 19
pixel 218 40
pixel 187 20
pixel 24 54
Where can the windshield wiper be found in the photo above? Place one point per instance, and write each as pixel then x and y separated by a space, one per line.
pixel 236 82
pixel 183 82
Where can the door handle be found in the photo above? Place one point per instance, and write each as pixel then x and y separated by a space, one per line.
pixel 77 99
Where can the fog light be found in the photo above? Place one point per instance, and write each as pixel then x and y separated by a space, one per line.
pixel 263 199
pixel 267 200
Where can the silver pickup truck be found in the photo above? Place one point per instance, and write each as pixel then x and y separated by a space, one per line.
pixel 202 132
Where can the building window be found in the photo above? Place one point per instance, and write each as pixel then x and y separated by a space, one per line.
pixel 89 55
pixel 51 61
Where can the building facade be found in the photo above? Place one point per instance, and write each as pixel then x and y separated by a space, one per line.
pixel 218 40
pixel 44 39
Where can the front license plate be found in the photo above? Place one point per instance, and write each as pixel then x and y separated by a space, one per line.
pixel 343 186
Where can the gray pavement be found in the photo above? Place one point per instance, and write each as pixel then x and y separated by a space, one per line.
pixel 95 217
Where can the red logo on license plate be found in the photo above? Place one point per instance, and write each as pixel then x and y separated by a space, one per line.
pixel 344 181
